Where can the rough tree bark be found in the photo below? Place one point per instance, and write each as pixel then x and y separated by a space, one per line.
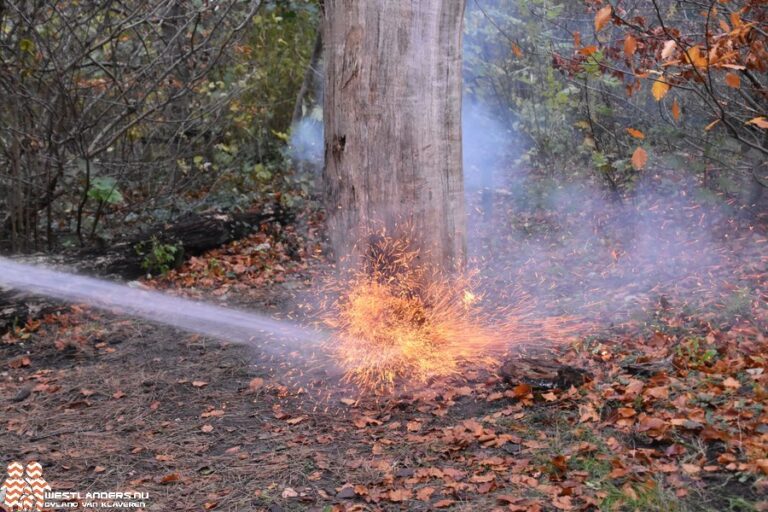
pixel 392 110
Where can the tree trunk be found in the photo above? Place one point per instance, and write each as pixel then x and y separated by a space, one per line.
pixel 392 112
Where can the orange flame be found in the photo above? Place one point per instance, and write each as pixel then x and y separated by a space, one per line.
pixel 396 320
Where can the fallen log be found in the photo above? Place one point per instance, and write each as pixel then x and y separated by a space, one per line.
pixel 543 374
pixel 191 234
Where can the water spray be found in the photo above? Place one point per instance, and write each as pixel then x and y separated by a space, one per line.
pixel 268 334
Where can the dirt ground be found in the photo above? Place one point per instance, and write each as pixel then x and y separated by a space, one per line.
pixel 673 418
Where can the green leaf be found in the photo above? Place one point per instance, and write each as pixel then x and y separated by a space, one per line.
pixel 104 189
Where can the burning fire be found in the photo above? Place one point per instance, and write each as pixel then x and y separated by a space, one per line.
pixel 396 320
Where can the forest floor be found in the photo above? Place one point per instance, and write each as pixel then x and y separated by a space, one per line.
pixel 674 417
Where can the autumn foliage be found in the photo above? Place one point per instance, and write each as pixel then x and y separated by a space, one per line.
pixel 711 56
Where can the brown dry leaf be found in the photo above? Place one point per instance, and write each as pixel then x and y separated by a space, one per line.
pixel 560 463
pixel 19 362
pixel 170 478
pixel 626 412
pixel 731 383
pixel 364 421
pixel 87 392
pixel 549 397
pixel 630 46
pixel 481 479
pixel 659 392
pixel 602 17
pixel 587 412
pixel 563 503
pixel 296 420
pixel 691 469
pixel 636 133
pixel 163 458
pixel 413 426
pixel 425 493
pixel 633 389
pixel 399 495
pixel 289 493
pixel 207 428
pixel 732 80
pixel 199 383
pixel 255 384
pixel 445 503
pixel 99 469
pixel 517 51
pixel 210 505
pixel 117 395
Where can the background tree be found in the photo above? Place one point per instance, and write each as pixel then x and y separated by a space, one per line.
pixel 393 123
pixel 128 113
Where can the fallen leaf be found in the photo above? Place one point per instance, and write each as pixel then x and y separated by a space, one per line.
pixel 691 469
pixel 19 362
pixel 636 133
pixel 760 122
pixel 425 493
pixel 364 421
pixel 444 503
pixel 398 495
pixel 170 478
pixel 731 383
pixel 207 428
pixel 732 80
pixel 549 397
pixel 255 384
pixel 676 110
pixel 199 383
pixel 289 493
pixel 602 17
pixel 630 46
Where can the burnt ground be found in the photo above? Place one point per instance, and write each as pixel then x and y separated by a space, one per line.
pixel 673 419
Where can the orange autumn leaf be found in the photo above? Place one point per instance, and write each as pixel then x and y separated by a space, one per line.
pixel 636 133
pixel 660 89
pixel 760 122
pixel 602 17
pixel 639 159
pixel 732 80
pixel 695 57
pixel 676 110
pixel 517 51
pixel 711 125
pixel 630 46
